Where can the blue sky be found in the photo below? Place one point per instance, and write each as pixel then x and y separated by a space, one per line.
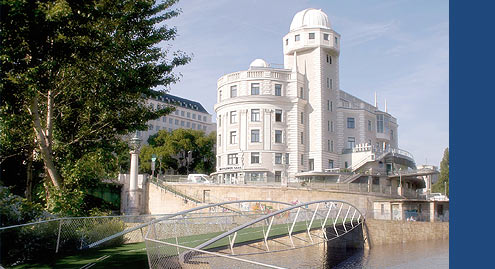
pixel 398 48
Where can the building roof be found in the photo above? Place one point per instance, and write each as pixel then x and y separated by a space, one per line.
pixel 182 102
pixel 258 63
pixel 310 18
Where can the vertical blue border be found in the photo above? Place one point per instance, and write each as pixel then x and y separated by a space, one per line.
pixel 472 140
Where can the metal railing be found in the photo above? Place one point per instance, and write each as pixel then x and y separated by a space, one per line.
pixel 32 241
pixel 407 215
pixel 170 246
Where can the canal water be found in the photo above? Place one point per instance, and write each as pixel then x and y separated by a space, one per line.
pixel 420 254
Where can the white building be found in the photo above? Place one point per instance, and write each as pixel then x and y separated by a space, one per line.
pixel 295 122
pixel 187 115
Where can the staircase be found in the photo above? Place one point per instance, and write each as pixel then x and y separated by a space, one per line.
pixel 352 178
pixel 187 197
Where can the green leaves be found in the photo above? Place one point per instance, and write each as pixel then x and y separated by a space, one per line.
pixel 172 150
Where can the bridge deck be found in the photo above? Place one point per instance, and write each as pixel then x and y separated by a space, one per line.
pixel 134 255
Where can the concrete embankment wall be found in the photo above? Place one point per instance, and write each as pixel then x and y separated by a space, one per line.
pixel 161 201
pixel 382 232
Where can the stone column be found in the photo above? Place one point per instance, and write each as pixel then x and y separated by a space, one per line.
pixel 133 194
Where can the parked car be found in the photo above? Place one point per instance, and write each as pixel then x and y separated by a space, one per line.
pixel 199 178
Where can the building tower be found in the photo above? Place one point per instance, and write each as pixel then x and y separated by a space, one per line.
pixel 312 48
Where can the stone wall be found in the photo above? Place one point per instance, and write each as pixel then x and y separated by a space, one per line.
pixel 161 201
pixel 382 232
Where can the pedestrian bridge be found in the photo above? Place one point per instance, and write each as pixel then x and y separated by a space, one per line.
pixel 245 233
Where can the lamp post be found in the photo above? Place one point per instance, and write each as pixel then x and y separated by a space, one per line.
pixel 132 207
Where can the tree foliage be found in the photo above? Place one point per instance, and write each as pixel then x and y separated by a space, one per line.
pixel 74 79
pixel 440 185
pixel 171 149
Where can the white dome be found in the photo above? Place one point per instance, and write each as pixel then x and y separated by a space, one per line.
pixel 310 17
pixel 258 63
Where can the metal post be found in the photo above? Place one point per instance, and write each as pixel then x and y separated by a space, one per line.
pixel 58 237
pixel 311 222
pixel 267 232
pixel 336 218
pixel 343 222
pixel 352 219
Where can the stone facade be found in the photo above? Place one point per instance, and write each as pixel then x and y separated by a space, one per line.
pixel 276 123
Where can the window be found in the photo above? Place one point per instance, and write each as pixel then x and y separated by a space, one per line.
pixel 351 142
pixel 346 165
pixel 331 126
pixel 219 139
pixel 369 125
pixel 278 158
pixel 188 124
pixel 328 82
pixel 330 164
pixel 278 115
pixel 204 127
pixel 301 93
pixel 182 113
pixel 278 89
pixel 328 126
pixel 219 96
pixel 181 123
pixel 164 119
pixel 278 176
pixel 199 126
pixel 311 164
pixel 188 114
pixel 255 157
pixel 233 117
pixel 302 159
pixel 336 41
pixel 254 176
pixel 193 126
pixel 391 134
pixel 311 35
pixel 150 127
pixel 328 145
pixel 287 41
pixel 193 116
pixel 331 106
pixel 219 120
pixel 331 83
pixel 255 135
pixel 255 115
pixel 331 146
pixel 325 36
pixel 233 91
pixel 233 137
pixel 278 136
pixel 157 128
pixel 328 105
pixel 302 117
pixel 286 158
pixel 350 123
pixel 176 112
pixel 345 104
pixel 170 121
pixel 297 37
pixel 382 209
pixel 302 137
pixel 232 159
pixel 204 118
pixel 255 89
pixel 176 122
pixel 219 160
pixel 379 123
pixel 329 60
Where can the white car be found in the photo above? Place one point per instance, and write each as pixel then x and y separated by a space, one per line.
pixel 199 178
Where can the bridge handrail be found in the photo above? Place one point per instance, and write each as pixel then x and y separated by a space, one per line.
pixel 262 218
pixel 169 216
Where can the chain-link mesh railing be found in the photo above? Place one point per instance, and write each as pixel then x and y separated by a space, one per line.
pixel 189 242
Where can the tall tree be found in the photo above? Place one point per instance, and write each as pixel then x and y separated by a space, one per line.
pixel 442 185
pixel 76 76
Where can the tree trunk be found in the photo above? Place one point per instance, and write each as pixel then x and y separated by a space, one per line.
pixel 29 178
pixel 44 144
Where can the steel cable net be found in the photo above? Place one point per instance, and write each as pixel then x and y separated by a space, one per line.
pixel 242 239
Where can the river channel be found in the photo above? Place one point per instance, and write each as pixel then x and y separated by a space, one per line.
pixel 420 254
